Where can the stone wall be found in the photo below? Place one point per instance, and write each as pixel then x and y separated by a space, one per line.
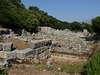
pixel 67 42
pixel 51 31
pixel 38 48
pixel 63 41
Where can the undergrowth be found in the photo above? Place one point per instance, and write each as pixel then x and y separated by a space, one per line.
pixel 93 66
pixel 74 68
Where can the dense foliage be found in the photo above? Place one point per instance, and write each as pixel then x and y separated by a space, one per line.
pixel 93 67
pixel 14 15
pixel 96 24
pixel 2 72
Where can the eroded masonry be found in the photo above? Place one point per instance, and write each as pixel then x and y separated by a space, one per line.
pixel 46 43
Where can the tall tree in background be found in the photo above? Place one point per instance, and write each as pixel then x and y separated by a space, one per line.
pixel 13 14
pixel 87 26
pixel 34 8
pixel 76 26
pixel 32 23
pixel 8 18
pixel 96 24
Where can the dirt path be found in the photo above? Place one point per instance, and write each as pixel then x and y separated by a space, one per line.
pixel 40 69
pixel 32 71
pixel 64 59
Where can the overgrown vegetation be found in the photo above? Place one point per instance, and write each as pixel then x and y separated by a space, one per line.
pixel 2 72
pixel 96 24
pixel 1 59
pixel 14 15
pixel 74 68
pixel 93 66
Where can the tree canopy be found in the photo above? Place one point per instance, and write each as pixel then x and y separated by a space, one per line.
pixel 14 15
pixel 96 24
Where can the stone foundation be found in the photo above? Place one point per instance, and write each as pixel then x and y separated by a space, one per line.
pixel 40 48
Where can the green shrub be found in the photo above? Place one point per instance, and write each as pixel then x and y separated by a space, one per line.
pixel 2 72
pixel 96 24
pixel 93 67
pixel 23 66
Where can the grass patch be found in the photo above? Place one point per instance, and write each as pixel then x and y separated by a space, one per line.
pixel 23 66
pixel 40 66
pixel 2 72
pixel 1 59
pixel 73 68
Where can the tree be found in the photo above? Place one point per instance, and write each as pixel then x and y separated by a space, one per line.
pixel 42 12
pixel 32 23
pixel 76 26
pixel 96 24
pixel 8 18
pixel 34 8
pixel 13 14
pixel 87 26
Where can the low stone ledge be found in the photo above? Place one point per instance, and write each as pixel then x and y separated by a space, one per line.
pixel 6 54
pixel 21 54
pixel 39 43
pixel 7 46
pixel 37 48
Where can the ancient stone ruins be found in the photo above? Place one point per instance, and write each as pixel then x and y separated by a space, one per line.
pixel 46 43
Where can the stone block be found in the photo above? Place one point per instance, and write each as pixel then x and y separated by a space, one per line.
pixel 2 54
pixel 7 46
pixel 21 54
pixel 44 48
pixel 11 55
pixel 34 52
pixel 6 54
pixel 46 52
pixel 38 51
pixel 54 43
pixel 47 42
pixel 39 43
pixel 2 64
pixel 35 44
pixel 40 55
